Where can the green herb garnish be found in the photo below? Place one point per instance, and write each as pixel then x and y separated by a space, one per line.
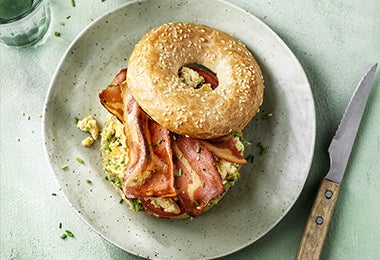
pixel 63 236
pixel 69 233
pixel 245 142
pixel 264 149
pixel 135 205
pixel 179 172
pixel 198 150
pixel 89 181
pixel 250 158
pixel 73 3
pixel 57 33
pixel 236 134
pixel 79 160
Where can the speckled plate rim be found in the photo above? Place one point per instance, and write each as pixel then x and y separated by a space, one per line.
pixel 48 129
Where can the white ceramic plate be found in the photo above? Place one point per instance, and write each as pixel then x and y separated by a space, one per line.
pixel 268 187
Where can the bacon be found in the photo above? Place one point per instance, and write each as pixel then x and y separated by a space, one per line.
pixel 225 148
pixel 111 97
pixel 158 166
pixel 197 179
pixel 150 168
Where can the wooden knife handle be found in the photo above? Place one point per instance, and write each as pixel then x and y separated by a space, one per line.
pixel 318 222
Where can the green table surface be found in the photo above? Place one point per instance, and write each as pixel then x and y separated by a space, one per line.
pixel 336 41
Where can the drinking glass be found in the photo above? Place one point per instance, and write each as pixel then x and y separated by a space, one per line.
pixel 23 22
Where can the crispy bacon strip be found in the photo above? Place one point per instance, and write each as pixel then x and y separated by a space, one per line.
pixel 197 179
pixel 150 168
pixel 225 148
pixel 153 164
pixel 111 97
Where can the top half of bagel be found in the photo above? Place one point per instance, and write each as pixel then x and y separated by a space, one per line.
pixel 153 79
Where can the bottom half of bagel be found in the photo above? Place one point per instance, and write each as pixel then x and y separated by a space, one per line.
pixel 114 153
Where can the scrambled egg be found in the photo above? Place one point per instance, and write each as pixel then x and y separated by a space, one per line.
pixel 193 79
pixel 165 203
pixel 114 150
pixel 88 124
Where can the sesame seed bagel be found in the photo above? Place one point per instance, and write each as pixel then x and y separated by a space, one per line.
pixel 153 79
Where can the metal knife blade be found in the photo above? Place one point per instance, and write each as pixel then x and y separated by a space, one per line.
pixel 341 145
pixel 318 222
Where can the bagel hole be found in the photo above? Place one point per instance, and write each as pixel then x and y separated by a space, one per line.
pixel 204 77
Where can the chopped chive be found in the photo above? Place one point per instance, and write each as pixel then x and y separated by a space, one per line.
pixel 198 149
pixel 203 184
pixel 117 166
pixel 73 3
pixel 76 120
pixel 264 149
pixel 88 181
pixel 250 158
pixel 160 141
pixel 180 156
pixel 79 160
pixel 63 236
pixel 64 167
pixel 174 138
pixel 196 203
pixel 68 17
pixel 62 24
pixel 60 225
pixel 121 201
pixel 69 233
pixel 245 142
pixel 54 194
pixel 153 145
pixel 57 33
pixel 179 174
pixel 106 178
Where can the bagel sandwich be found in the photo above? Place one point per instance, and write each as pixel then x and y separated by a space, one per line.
pixel 175 164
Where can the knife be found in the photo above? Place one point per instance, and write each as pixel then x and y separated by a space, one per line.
pixel 318 222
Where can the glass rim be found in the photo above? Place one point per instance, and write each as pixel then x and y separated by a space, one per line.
pixel 35 4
